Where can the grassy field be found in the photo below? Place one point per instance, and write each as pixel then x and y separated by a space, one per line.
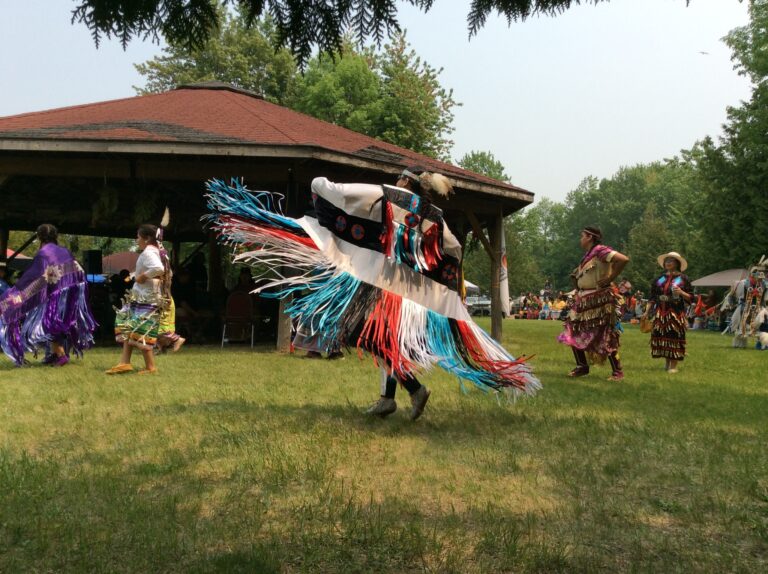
pixel 242 461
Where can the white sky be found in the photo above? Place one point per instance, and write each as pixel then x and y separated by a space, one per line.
pixel 554 99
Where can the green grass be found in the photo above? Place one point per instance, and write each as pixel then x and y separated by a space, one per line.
pixel 241 461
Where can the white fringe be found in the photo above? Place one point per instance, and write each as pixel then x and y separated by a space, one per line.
pixel 412 335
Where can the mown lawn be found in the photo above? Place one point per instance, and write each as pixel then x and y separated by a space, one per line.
pixel 241 461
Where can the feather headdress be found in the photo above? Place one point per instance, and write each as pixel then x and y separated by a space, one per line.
pixel 163 224
pixel 436 182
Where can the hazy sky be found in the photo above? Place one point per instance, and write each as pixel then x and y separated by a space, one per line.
pixel 554 99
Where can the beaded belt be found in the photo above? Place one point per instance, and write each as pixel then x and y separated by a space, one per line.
pixel 665 298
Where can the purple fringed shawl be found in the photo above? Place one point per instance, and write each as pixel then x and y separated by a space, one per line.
pixel 48 303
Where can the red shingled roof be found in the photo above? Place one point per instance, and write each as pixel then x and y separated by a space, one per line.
pixel 213 114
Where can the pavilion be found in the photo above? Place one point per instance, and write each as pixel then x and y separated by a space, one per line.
pixel 102 168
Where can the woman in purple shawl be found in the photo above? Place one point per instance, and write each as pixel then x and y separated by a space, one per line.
pixel 48 306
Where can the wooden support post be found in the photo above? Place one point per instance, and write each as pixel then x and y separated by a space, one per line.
pixel 175 254
pixel 215 274
pixel 4 234
pixel 284 324
pixel 284 328
pixel 496 230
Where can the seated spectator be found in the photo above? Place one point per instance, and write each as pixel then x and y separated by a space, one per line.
pixel 188 312
pixel 199 272
pixel 119 285
pixel 544 312
pixel 639 304
pixel 628 309
pixel 244 281
pixel 557 307
pixel 625 287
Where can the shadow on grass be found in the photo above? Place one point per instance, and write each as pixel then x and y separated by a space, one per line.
pixel 113 521
pixel 121 520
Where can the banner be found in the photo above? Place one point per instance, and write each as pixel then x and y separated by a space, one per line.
pixel 503 282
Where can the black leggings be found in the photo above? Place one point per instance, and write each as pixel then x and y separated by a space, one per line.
pixel 389 387
pixel 581 360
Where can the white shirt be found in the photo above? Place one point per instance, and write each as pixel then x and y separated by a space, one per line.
pixel 150 264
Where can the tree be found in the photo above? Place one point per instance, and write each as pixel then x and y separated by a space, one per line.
pixel 300 24
pixel 393 96
pixel 521 232
pixel 648 239
pixel 344 90
pixel 417 112
pixel 734 212
pixel 485 163
pixel 245 57
pixel 18 238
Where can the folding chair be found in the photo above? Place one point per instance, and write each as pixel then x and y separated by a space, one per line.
pixel 238 313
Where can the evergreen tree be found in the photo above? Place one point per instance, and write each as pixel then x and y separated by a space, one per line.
pixel 734 210
pixel 300 24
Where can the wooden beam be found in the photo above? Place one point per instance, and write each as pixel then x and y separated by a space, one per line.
pixel 389 168
pixel 478 232
pixel 24 245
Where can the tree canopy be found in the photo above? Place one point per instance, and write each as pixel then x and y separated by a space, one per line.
pixel 484 162
pixel 390 94
pixel 734 170
pixel 301 25
pixel 245 57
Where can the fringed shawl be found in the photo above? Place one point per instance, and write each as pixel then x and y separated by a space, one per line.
pixel 48 303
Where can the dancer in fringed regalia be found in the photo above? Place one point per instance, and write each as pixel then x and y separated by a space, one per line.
pixel 48 306
pixel 146 307
pixel 670 295
pixel 420 182
pixel 751 295
pixel 760 328
pixel 377 269
pixel 593 320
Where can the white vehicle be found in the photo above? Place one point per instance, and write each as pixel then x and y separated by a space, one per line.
pixel 480 305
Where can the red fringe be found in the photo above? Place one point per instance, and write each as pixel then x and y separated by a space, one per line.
pixel 506 370
pixel 246 226
pixel 431 243
pixel 381 332
pixel 388 233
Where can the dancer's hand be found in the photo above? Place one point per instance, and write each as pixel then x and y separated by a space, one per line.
pixel 141 278
pixel 604 282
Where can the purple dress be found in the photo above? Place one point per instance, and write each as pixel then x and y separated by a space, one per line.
pixel 49 303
